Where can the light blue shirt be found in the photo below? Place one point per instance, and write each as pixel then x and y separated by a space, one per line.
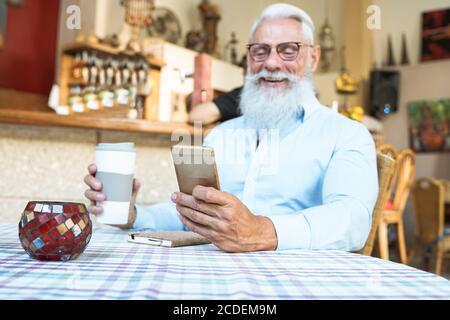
pixel 316 179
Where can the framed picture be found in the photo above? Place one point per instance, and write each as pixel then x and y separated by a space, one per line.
pixel 436 35
pixel 429 125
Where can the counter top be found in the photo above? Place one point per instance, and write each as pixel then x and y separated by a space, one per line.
pixel 31 109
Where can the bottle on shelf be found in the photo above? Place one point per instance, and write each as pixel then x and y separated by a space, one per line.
pixel 75 99
pixel 143 88
pixel 84 67
pixel 77 66
pixel 121 91
pixel 132 90
pixel 90 91
pixel 106 76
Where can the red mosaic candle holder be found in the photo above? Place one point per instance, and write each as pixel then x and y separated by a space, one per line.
pixel 55 231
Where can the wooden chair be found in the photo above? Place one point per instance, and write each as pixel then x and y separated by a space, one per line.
pixel 386 166
pixel 428 203
pixel 391 151
pixel 393 213
pixel 388 149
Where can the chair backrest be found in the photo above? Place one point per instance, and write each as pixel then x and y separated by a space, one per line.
pixel 386 167
pixel 428 205
pixel 403 178
pixel 389 150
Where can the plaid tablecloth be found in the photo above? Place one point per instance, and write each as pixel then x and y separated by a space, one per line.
pixel 112 268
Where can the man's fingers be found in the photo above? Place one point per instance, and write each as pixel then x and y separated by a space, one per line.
pixel 211 195
pixel 93 183
pixel 94 195
pixel 136 185
pixel 197 228
pixel 198 205
pixel 92 169
pixel 95 209
pixel 200 218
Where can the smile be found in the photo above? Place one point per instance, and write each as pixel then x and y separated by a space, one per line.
pixel 273 80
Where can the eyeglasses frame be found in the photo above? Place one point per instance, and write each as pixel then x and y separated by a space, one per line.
pixel 299 44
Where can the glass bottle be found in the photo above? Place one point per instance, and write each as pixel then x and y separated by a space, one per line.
pixel 75 99
pixel 131 86
pixel 122 78
pixel 84 67
pixel 77 66
pixel 143 88
pixel 106 77
pixel 90 95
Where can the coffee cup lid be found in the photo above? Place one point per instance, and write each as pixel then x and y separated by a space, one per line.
pixel 123 146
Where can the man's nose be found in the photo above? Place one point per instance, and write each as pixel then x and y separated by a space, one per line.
pixel 273 61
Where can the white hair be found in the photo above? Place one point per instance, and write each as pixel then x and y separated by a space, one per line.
pixel 286 11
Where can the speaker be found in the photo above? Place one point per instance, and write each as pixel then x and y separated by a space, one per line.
pixel 384 92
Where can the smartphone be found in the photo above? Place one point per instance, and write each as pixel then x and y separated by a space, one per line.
pixel 195 165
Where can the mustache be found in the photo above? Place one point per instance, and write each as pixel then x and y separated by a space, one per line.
pixel 273 76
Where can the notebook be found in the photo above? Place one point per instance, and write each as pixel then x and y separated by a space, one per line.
pixel 168 238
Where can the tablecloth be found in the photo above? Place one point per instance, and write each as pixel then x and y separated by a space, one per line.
pixel 112 268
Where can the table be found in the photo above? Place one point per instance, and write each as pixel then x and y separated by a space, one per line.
pixel 112 268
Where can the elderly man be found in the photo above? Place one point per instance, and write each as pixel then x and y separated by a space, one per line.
pixel 305 176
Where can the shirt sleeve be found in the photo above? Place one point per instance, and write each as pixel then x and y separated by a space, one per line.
pixel 349 193
pixel 158 217
pixel 228 104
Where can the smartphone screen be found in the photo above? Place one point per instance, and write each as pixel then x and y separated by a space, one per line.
pixel 195 165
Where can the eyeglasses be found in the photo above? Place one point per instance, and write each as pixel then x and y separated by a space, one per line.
pixel 288 51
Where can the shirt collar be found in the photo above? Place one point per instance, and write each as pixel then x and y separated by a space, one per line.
pixel 308 108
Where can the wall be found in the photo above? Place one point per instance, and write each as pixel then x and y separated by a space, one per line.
pixel 237 16
pixel 420 82
pixel 403 16
pixel 43 163
pixel 27 60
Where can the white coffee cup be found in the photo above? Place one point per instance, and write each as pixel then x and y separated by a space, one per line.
pixel 115 169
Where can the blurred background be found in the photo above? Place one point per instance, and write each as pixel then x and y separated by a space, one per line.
pixel 74 73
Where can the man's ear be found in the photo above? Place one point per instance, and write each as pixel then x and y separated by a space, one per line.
pixel 315 57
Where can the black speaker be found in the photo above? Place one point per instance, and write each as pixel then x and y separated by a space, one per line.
pixel 384 92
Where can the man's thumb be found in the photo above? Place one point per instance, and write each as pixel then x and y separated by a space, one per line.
pixel 136 187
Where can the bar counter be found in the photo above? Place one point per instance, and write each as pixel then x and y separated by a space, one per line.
pixel 31 109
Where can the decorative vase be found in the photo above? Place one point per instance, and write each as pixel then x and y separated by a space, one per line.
pixel 390 58
pixel 405 55
pixel 55 231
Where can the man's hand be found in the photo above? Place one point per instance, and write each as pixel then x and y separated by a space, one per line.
pixel 94 194
pixel 225 221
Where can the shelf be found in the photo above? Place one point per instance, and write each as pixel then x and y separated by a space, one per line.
pixel 73 48
pixel 85 121
pixel 31 109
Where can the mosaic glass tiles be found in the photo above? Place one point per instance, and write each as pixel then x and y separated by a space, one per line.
pixel 55 231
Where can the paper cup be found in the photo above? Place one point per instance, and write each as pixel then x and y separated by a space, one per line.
pixel 115 169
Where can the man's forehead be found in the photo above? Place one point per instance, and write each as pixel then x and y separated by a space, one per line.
pixel 279 30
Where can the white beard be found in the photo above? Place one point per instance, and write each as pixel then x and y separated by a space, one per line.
pixel 270 108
